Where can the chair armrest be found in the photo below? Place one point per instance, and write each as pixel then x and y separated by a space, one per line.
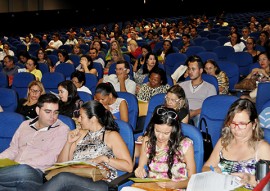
pixel 114 184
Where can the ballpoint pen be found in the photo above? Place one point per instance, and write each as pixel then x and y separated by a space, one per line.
pixel 212 168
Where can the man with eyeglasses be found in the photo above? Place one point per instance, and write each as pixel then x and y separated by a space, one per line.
pixel 35 145
pixel 196 89
pixel 121 80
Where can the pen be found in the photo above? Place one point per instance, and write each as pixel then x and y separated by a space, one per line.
pixel 212 168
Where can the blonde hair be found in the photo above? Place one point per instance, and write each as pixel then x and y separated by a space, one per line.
pixel 31 84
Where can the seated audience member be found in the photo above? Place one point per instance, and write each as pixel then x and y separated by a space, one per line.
pixel 54 44
pixel 141 60
pixel 259 74
pixel 212 68
pixel 94 54
pixel 121 80
pixel 157 84
pixel 241 144
pixel 10 69
pixel 250 48
pixel 78 79
pixel 6 51
pixel 107 147
pixel 150 63
pixel 42 57
pixel 70 102
pixel 196 89
pixel 166 152
pixel 63 57
pixel 175 99
pixel 27 106
pixel 31 67
pixel 167 48
pixel 115 57
pixel 106 94
pixel 36 145
pixel 236 42
pixel 86 65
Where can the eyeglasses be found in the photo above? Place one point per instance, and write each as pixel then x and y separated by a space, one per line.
pixel 172 100
pixel 164 111
pixel 120 69
pixel 34 91
pixel 239 125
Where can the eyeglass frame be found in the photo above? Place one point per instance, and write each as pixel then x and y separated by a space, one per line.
pixel 239 125
pixel 166 112
pixel 172 100
pixel 34 91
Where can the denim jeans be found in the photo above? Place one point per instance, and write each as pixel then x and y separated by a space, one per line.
pixel 20 178
pixel 66 181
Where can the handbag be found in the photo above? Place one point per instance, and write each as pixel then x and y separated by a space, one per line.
pixel 88 171
pixel 246 84
pixel 207 140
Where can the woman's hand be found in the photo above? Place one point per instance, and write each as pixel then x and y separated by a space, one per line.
pixel 140 139
pixel 140 172
pixel 246 178
pixel 169 184
pixel 73 135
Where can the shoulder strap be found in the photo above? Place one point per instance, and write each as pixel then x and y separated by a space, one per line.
pixel 203 120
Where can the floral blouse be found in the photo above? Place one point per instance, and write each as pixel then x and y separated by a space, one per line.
pixel 158 167
pixel 223 81
pixel 146 92
pixel 92 146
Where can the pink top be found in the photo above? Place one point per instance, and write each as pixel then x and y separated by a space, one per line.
pixel 37 148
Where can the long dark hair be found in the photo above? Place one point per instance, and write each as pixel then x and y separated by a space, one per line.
pixel 175 139
pixel 105 117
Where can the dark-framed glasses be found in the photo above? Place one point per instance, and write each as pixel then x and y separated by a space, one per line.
pixel 239 125
pixel 164 111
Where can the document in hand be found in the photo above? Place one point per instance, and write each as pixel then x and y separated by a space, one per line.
pixel 212 181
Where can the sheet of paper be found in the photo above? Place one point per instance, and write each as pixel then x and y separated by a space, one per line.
pixel 149 180
pixel 212 181
pixel 68 163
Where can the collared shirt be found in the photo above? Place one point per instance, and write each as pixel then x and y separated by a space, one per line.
pixel 130 84
pixel 37 148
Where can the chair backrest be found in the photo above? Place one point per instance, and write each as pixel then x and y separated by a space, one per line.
pixel 91 81
pixel 66 47
pixel 85 96
pixel 85 47
pixel 223 39
pixel 213 36
pixel 75 59
pixel 133 109
pixel 68 121
pixel 3 80
pixel 207 55
pixel 209 45
pixel 195 135
pixel 267 134
pixel 214 110
pixel 126 133
pixel 155 100
pixel 8 99
pixel 172 60
pixel 263 95
pixel 44 68
pixel 20 83
pixel 232 71
pixel 198 41
pixel 264 116
pixel 53 59
pixel 51 80
pixel 66 69
pixel 194 50
pixel 223 52
pixel 99 69
pixel 243 59
pixel 9 123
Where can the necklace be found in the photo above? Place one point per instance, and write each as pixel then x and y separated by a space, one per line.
pixel 195 87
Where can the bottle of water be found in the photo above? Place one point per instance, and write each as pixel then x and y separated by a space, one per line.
pixel 262 168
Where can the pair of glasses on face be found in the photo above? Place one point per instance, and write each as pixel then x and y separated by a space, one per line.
pixel 172 100
pixel 35 91
pixel 239 125
pixel 163 111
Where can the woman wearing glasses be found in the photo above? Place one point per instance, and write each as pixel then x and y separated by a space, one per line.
pixel 165 152
pixel 27 106
pixel 241 144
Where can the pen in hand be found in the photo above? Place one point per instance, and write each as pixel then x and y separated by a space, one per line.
pixel 212 168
